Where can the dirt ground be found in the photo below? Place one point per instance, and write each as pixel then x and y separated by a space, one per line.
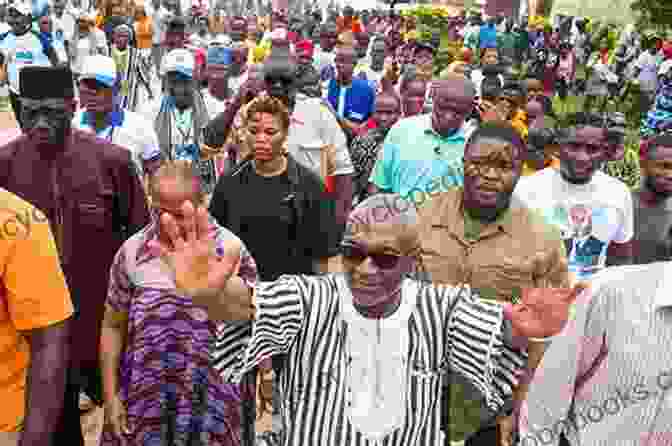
pixel 92 422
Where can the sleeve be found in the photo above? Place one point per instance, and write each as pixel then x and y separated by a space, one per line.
pixel 120 289
pixel 384 169
pixel 280 316
pixel 33 303
pixel 219 206
pixel 627 230
pixel 333 134
pixel 132 204
pixel 573 357
pixel 324 234
pixel 474 334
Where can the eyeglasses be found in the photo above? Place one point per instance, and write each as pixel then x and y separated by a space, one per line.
pixel 480 168
pixel 358 255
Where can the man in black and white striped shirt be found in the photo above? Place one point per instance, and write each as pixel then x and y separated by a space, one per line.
pixel 363 352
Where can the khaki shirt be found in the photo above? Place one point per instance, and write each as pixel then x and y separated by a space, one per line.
pixel 497 259
pixel 516 251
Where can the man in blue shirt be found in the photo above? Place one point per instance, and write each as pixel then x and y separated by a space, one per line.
pixel 422 155
pixel 352 99
pixel 487 37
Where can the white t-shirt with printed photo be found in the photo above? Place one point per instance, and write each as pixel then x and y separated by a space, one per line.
pixel 589 216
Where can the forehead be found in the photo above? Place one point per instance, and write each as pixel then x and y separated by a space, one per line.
pixel 378 236
pixel 386 102
pixel 488 146
pixel 455 91
pixel 172 192
pixel 416 85
pixel 345 53
pixel 264 120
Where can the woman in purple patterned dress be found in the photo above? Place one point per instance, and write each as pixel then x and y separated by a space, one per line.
pixel 159 384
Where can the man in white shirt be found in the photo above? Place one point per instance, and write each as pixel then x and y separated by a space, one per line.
pixel 23 47
pixel 592 210
pixel 180 114
pixel 99 114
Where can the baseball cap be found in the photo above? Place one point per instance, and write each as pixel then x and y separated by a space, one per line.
pixel 178 61
pixel 100 68
pixel 22 8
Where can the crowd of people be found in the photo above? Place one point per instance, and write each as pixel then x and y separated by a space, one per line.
pixel 303 215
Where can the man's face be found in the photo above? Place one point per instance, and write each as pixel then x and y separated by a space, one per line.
pixel 387 111
pixel 492 167
pixel 47 121
pixel 121 39
pixel 423 57
pixel 59 8
pixel 583 152
pixel 238 29
pixel 181 88
pixel 345 65
pixel 413 97
pixel 452 104
pixel 657 169
pixel 490 57
pixel 535 89
pixel 328 40
pixel 95 97
pixel 362 44
pixel 175 39
pixel 378 56
pixel 218 76
pixel 17 21
pixel 375 264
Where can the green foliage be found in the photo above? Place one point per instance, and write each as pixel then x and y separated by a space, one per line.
pixel 653 13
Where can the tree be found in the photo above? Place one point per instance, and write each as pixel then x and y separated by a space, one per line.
pixel 653 13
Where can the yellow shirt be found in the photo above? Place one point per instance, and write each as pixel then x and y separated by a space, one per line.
pixel 33 295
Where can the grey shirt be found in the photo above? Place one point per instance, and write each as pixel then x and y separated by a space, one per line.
pixel 653 230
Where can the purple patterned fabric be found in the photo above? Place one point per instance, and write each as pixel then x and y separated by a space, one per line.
pixel 173 395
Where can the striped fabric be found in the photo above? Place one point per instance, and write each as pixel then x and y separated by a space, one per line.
pixel 302 318
pixel 611 367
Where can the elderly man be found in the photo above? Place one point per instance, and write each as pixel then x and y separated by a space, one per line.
pixel 361 354
pixel 180 114
pixel 134 77
pixel 422 153
pixel 90 192
pixel 36 318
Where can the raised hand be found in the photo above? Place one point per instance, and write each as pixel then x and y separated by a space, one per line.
pixel 198 269
pixel 543 312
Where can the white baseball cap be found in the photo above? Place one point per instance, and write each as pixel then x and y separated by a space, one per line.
pixel 22 8
pixel 178 61
pixel 100 68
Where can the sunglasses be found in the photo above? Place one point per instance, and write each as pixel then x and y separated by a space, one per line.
pixel 358 255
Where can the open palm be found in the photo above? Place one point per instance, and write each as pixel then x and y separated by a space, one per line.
pixel 198 270
pixel 543 312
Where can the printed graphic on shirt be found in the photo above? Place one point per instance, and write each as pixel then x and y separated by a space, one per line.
pixel 586 230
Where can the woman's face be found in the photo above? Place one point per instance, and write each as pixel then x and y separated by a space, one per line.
pixel 266 137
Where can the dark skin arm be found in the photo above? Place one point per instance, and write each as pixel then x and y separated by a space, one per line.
pixel 620 254
pixel 45 389
pixel 343 196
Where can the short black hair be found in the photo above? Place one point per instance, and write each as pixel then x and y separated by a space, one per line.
pixel 498 130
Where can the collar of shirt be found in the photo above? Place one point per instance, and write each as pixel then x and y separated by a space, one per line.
pixel 458 137
pixel 453 217
pixel 114 119
pixel 663 297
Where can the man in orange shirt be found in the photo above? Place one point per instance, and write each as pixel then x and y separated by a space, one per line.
pixel 34 326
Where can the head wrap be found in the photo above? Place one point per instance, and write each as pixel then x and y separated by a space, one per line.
pixel 122 28
pixel 46 83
